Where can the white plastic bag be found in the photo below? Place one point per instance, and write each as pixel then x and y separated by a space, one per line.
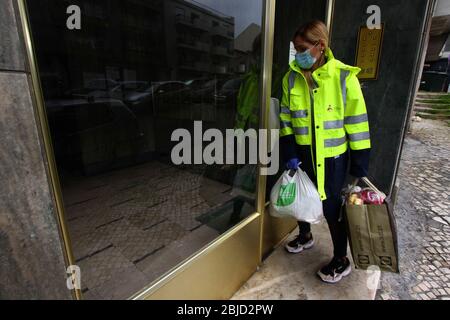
pixel 296 197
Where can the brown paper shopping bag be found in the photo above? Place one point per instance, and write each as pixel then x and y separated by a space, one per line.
pixel 373 234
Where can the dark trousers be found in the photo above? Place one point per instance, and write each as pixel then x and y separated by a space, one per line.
pixel 335 174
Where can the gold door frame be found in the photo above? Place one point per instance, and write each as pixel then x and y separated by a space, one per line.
pixel 266 94
pixel 274 230
pixel 242 243
pixel 329 17
pixel 239 243
pixel 42 122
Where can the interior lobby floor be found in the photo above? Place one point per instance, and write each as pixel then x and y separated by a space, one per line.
pixel 129 227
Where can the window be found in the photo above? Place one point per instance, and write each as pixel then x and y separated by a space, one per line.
pixel 115 93
pixel 180 13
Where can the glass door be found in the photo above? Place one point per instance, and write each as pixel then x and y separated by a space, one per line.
pixel 289 15
pixel 130 87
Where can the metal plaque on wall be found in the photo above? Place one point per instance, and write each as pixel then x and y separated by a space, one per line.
pixel 369 52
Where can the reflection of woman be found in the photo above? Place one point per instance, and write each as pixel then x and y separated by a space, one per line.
pixel 323 124
pixel 247 117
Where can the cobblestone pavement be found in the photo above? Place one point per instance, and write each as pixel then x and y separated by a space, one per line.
pixel 423 217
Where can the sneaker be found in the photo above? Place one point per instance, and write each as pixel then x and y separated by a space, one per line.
pixel 335 270
pixel 300 243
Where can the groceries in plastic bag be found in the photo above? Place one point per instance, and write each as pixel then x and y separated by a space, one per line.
pixel 355 195
pixel 370 196
pixel 295 195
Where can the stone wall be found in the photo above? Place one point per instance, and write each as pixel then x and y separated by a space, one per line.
pixel 388 97
pixel 31 256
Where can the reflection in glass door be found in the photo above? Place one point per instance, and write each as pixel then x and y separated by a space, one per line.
pixel 115 90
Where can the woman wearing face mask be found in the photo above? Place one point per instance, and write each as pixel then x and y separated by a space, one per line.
pixel 324 125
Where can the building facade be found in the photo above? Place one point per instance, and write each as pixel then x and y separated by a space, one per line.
pixel 93 206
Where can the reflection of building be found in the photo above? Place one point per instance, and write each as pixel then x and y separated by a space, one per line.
pixel 118 41
pixel 202 42
pixel 113 41
pixel 244 47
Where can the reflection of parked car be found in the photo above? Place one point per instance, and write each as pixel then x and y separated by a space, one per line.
pixel 97 88
pixel 229 91
pixel 156 95
pixel 204 92
pixel 101 84
pixel 128 89
pixel 92 136
pixel 139 96
pixel 197 83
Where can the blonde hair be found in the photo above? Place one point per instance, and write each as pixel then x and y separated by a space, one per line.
pixel 312 32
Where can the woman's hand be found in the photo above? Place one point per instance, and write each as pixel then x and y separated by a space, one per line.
pixel 293 164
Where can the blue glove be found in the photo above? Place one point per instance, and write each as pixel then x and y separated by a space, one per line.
pixel 293 164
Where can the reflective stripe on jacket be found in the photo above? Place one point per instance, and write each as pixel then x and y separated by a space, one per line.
pixel 338 107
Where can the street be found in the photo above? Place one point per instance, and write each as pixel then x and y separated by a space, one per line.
pixel 423 217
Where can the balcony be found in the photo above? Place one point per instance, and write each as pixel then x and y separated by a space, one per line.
pixel 195 24
pixel 194 45
pixel 221 51
pixel 222 32
pixel 195 66
pixel 200 24
pixel 202 46
pixel 202 66
pixel 220 69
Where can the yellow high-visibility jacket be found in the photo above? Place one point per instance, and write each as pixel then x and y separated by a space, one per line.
pixel 330 117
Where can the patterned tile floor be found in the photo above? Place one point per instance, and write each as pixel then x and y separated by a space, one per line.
pixel 128 227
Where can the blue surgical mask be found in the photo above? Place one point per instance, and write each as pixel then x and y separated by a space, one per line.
pixel 305 60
